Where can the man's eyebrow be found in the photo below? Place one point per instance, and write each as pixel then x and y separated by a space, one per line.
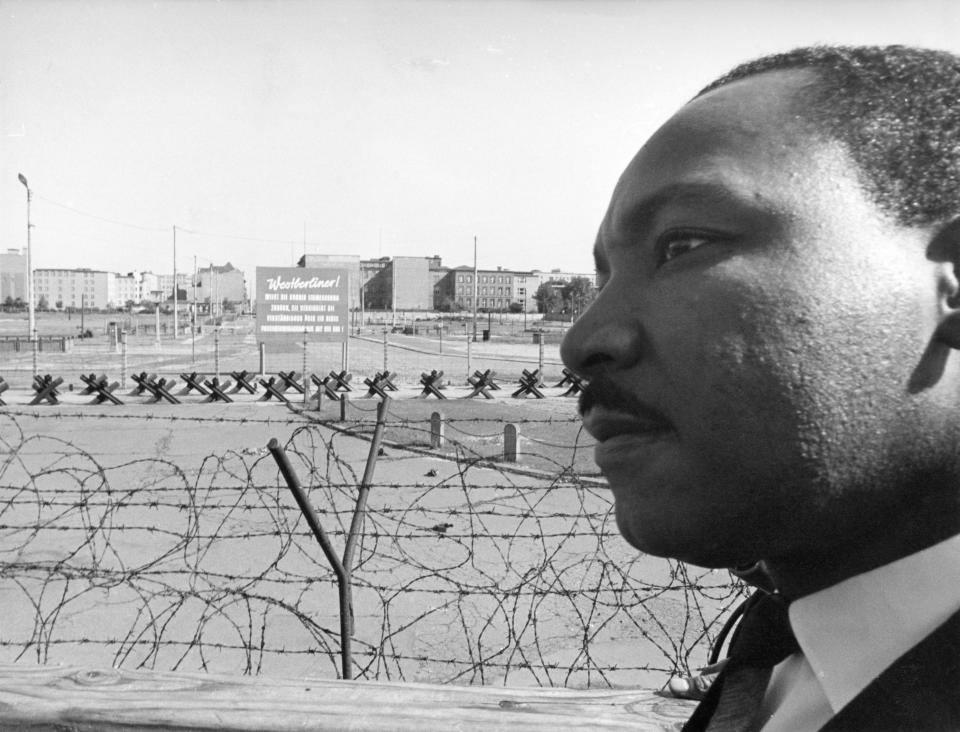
pixel 637 214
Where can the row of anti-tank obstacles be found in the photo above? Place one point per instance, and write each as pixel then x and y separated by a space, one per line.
pixel 333 387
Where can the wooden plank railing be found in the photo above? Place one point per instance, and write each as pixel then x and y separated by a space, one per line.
pixel 87 699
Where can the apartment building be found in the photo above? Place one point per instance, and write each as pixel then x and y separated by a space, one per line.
pixel 74 288
pixel 495 289
pixel 13 275
pixel 217 283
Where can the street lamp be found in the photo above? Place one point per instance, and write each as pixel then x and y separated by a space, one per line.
pixel 31 324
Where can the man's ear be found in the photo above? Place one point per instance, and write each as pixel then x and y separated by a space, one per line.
pixel 945 247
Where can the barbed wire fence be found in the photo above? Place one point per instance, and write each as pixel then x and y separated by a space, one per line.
pixel 467 570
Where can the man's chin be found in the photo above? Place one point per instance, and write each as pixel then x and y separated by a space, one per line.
pixel 677 534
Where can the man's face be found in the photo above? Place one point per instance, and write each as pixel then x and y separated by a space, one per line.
pixel 750 351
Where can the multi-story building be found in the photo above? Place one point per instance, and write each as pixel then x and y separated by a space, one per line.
pixel 161 286
pixel 350 262
pixel 412 283
pixel 97 289
pixel 385 283
pixel 220 283
pixel 495 289
pixel 74 288
pixel 376 283
pixel 525 286
pixel 127 289
pixel 13 275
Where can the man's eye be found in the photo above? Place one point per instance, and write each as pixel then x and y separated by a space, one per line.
pixel 674 243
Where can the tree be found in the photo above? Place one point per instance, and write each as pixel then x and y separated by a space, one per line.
pixel 8 303
pixel 449 305
pixel 548 297
pixel 42 303
pixel 515 307
pixel 577 294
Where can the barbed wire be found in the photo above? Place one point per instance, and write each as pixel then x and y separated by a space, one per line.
pixel 466 571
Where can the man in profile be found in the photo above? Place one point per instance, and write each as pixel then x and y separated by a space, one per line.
pixel 774 377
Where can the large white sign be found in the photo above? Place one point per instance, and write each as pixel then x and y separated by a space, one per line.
pixel 294 303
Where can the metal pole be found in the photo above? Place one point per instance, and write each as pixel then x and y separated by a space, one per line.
pixel 475 279
pixel 123 360
pixel 393 292
pixel 157 312
pixel 216 351
pixel 306 383
pixel 31 318
pixel 361 310
pixel 385 350
pixel 468 356
pixel 33 342
pixel 176 296
pixel 540 359
pixel 193 317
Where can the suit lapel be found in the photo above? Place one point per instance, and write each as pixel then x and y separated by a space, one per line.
pixel 921 690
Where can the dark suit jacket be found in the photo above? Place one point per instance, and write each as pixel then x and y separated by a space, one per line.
pixel 919 692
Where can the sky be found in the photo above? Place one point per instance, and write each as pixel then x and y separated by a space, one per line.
pixel 253 131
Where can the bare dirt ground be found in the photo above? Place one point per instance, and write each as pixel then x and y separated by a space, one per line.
pixel 162 536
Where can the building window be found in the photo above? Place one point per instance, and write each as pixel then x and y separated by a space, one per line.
pixel 459 278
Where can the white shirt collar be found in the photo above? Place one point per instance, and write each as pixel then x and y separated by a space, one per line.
pixel 852 631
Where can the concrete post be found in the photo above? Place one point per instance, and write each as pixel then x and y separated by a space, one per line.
pixel 437 430
pixel 123 360
pixel 511 442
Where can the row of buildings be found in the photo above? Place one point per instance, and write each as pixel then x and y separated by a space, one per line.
pixel 100 290
pixel 423 283
pixel 386 283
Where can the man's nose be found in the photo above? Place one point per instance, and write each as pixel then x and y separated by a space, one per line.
pixel 607 336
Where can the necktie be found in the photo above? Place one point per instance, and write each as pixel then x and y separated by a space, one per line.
pixel 762 640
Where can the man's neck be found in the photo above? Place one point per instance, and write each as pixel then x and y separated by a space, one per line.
pixel 813 571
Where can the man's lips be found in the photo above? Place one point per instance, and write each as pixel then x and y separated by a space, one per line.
pixel 604 423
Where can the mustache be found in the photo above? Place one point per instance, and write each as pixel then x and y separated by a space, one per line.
pixel 602 391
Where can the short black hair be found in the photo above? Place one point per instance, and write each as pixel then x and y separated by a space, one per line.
pixel 896 109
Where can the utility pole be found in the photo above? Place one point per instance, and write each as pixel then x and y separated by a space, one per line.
pixel 31 319
pixel 193 316
pixel 475 279
pixel 176 322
